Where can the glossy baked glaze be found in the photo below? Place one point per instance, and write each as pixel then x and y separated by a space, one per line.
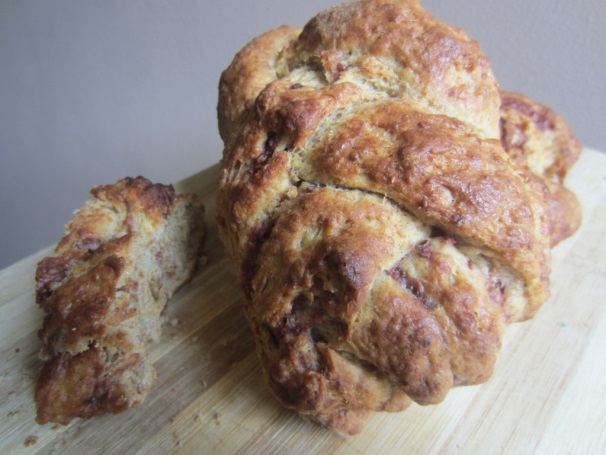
pixel 383 235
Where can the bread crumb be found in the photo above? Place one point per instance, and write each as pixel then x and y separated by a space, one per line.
pixel 30 441
pixel 176 439
pixel 217 418
pixel 203 382
pixel 174 322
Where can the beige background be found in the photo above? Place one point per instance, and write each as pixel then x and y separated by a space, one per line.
pixel 92 91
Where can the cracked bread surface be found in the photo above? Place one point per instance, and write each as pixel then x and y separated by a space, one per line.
pixel 125 253
pixel 386 216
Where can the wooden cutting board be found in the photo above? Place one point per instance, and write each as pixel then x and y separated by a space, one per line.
pixel 547 394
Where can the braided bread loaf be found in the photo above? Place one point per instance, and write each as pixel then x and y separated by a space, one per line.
pixel 387 207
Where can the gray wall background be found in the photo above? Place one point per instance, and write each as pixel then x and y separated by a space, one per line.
pixel 92 91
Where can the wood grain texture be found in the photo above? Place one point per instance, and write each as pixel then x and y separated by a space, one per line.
pixel 546 394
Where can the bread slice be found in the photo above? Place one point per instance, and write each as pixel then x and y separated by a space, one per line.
pixel 125 253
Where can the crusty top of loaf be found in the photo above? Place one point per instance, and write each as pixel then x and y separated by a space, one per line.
pixel 390 46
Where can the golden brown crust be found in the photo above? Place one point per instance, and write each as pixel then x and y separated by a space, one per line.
pixel 125 253
pixel 384 237
pixel 83 385
pixel 406 52
pixel 257 64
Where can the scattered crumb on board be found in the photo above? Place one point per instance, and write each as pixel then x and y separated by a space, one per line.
pixel 30 441
pixel 176 439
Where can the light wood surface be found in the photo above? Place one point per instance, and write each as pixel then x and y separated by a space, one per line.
pixel 547 394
